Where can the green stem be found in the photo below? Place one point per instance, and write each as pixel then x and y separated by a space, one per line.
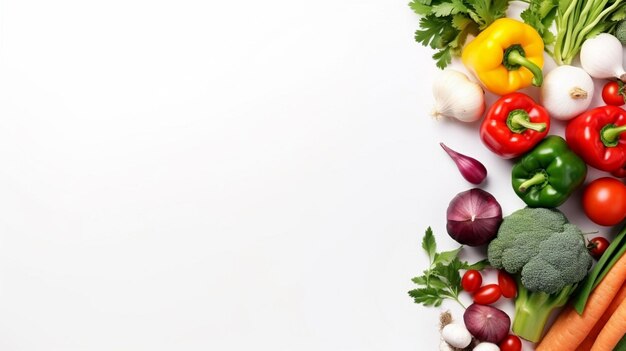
pixel 460 303
pixel 537 179
pixel 530 318
pixel 533 308
pixel 518 121
pixel 573 26
pixel 562 29
pixel 610 134
pixel 583 33
pixel 515 57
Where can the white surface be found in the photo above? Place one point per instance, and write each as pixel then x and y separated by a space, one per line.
pixel 193 175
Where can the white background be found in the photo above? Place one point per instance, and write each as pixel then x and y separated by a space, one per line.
pixel 193 175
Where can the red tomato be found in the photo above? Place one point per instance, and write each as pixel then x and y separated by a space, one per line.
pixel 604 201
pixel 508 286
pixel 488 294
pixel 597 246
pixel 511 343
pixel 612 94
pixel 472 280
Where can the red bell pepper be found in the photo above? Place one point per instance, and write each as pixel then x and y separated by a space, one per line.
pixel 596 136
pixel 513 125
pixel 619 173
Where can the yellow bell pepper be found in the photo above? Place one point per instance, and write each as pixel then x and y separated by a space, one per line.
pixel 506 56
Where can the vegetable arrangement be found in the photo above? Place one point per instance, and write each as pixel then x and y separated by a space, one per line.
pixel 544 264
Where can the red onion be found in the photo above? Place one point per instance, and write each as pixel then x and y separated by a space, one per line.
pixel 487 323
pixel 474 217
pixel 471 169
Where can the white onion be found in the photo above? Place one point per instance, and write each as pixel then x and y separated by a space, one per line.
pixel 458 97
pixel 601 57
pixel 566 92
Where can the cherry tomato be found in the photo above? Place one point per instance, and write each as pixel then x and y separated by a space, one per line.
pixel 597 246
pixel 508 286
pixel 488 294
pixel 511 343
pixel 604 201
pixel 472 280
pixel 612 94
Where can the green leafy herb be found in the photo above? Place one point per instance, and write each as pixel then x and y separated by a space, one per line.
pixel 428 244
pixel 442 280
pixel 445 24
pixel 540 15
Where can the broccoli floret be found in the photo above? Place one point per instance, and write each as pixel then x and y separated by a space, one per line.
pixel 548 256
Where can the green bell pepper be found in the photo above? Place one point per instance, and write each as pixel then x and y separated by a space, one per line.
pixel 548 174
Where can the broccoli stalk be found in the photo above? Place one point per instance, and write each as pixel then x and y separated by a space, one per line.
pixel 533 308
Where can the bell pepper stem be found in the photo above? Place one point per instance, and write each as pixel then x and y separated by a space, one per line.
pixel 514 57
pixel 538 178
pixel 519 120
pixel 611 133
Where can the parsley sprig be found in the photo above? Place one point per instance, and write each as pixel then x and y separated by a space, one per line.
pixel 445 24
pixel 442 280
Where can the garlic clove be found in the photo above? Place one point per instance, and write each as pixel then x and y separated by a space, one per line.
pixel 456 335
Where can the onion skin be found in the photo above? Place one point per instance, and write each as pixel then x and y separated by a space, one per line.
pixel 487 323
pixel 474 217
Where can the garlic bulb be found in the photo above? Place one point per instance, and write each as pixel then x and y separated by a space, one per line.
pixel 486 346
pixel 566 92
pixel 456 335
pixel 444 346
pixel 601 57
pixel 458 97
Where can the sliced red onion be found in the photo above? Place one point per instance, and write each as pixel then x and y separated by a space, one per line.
pixel 471 169
pixel 487 323
pixel 474 217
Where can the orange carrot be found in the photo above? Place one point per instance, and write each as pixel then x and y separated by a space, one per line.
pixel 593 335
pixel 570 328
pixel 613 331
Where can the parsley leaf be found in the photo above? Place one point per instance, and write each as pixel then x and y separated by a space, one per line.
pixel 442 280
pixel 428 244
pixel 432 30
pixel 446 257
pixel 479 266
pixel 420 8
pixel 540 15
pixel 445 24
pixel 426 296
pixel 448 8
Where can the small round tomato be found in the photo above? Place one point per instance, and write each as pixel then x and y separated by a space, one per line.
pixel 507 284
pixel 511 343
pixel 597 246
pixel 613 93
pixel 488 294
pixel 472 280
pixel 604 201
